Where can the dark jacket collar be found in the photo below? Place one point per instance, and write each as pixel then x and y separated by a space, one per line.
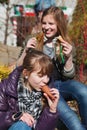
pixel 12 81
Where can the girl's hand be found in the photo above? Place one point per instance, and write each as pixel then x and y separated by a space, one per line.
pixel 67 49
pixel 31 43
pixel 53 103
pixel 28 119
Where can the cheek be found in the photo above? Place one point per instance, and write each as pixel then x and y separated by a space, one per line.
pixel 34 80
pixel 43 27
pixel 54 31
pixel 55 28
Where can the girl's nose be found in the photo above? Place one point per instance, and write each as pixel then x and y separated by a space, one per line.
pixel 46 26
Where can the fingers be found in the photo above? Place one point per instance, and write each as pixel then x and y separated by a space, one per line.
pixel 53 104
pixel 47 97
pixel 28 119
pixel 31 43
pixel 55 93
pixel 67 49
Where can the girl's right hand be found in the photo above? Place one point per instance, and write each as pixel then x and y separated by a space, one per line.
pixel 28 119
pixel 31 43
pixel 53 103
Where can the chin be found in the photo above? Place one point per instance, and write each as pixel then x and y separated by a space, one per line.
pixel 38 90
pixel 49 36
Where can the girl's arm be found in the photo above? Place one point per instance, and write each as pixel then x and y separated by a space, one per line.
pixel 31 43
pixel 47 120
pixel 69 68
pixel 5 111
pixel 8 98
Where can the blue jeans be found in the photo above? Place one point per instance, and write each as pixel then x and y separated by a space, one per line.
pixel 72 90
pixel 20 125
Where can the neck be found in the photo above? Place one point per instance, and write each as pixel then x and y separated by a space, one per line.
pixel 27 85
pixel 49 41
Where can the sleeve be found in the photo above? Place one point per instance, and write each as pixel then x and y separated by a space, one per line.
pixel 61 72
pixel 70 73
pixel 25 43
pixel 47 120
pixel 7 102
pixel 5 112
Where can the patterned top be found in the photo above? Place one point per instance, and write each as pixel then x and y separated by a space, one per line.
pixel 29 101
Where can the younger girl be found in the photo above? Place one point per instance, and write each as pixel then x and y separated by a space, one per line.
pixel 21 99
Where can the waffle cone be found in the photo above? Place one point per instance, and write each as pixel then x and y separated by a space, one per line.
pixel 46 90
pixel 60 39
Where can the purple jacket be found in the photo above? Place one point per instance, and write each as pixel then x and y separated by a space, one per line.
pixel 8 105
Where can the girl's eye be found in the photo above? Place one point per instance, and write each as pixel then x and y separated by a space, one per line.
pixel 40 75
pixel 51 23
pixel 43 22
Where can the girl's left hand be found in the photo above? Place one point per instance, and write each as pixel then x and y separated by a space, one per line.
pixel 67 49
pixel 28 119
pixel 53 103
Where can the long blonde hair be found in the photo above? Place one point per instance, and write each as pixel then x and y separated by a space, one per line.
pixel 60 19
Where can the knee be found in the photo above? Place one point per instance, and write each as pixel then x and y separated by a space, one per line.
pixel 83 91
pixel 79 89
pixel 82 94
pixel 57 84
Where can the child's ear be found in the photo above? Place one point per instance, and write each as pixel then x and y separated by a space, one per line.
pixel 25 72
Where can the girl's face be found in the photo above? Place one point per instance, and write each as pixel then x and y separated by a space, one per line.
pixel 36 80
pixel 49 26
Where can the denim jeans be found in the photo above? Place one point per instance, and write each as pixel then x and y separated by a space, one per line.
pixel 20 126
pixel 72 90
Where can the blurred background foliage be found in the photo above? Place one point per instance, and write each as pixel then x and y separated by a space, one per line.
pixel 78 34
pixel 78 31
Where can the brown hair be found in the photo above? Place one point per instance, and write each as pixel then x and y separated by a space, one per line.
pixel 36 59
pixel 59 17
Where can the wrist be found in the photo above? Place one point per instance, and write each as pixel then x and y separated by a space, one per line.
pixel 25 49
pixel 68 69
pixel 53 110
